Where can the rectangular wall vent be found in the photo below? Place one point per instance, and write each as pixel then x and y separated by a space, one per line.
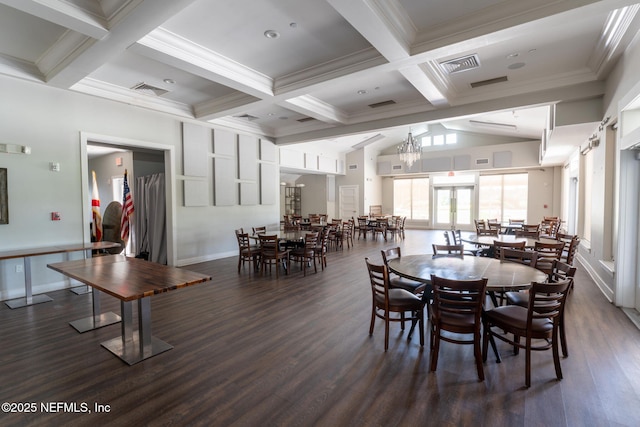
pixel 482 161
pixel 396 167
pixel 353 167
pixel 489 82
pixel 382 104
pixel 464 63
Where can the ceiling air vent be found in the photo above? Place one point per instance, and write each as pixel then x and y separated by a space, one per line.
pixel 461 64
pixel 246 117
pixel 382 104
pixel 396 167
pixel 149 89
pixel 482 161
pixel 305 119
pixel 489 81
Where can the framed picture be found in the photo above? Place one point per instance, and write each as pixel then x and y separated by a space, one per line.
pixel 4 205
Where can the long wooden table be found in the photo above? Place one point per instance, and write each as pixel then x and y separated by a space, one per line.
pixel 27 253
pixel 130 279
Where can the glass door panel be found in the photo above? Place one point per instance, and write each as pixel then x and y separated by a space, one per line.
pixel 453 208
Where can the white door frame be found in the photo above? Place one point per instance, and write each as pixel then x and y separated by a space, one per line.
pixel 169 170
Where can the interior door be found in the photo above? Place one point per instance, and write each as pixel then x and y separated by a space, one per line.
pixel 349 195
pixel 453 207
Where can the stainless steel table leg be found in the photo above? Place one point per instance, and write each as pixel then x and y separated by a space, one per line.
pixel 29 298
pixel 135 346
pixel 98 320
pixel 85 289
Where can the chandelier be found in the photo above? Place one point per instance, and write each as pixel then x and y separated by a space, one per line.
pixel 409 150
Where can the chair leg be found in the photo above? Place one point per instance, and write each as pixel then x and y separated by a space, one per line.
pixel 435 348
pixel 556 354
pixel 527 363
pixel 478 355
pixel 386 331
pixel 373 319
pixel 563 338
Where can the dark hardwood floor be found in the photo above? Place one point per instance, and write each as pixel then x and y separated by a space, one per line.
pixel 250 350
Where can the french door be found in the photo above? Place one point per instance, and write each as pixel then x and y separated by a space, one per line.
pixel 453 207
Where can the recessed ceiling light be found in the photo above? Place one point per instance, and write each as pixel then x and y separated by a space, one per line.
pixel 361 92
pixel 271 34
pixel 532 50
pixel 293 25
pixel 512 55
pixel 169 81
pixel 516 65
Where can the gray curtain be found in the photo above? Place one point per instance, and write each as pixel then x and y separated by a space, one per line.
pixel 150 217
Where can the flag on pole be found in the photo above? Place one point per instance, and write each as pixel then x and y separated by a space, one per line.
pixel 127 210
pixel 95 210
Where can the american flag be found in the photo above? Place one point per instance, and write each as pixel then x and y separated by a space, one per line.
pixel 127 210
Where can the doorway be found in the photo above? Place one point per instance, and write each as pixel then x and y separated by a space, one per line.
pixel 453 207
pixel 166 151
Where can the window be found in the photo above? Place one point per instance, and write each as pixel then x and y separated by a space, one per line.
pixel 411 198
pixel 503 196
pixel 587 208
pixel 426 141
pixel 438 139
pixel 451 138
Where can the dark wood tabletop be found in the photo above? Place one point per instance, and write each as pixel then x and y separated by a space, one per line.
pixel 502 276
pixel 507 238
pixel 46 250
pixel 128 278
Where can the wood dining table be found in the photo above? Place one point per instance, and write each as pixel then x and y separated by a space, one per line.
pixel 505 238
pixel 128 279
pixel 502 275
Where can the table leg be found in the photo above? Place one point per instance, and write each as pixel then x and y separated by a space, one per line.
pixel 29 298
pixel 85 289
pixel 135 346
pixel 98 320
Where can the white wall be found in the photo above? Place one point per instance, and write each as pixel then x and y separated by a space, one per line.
pixel 50 121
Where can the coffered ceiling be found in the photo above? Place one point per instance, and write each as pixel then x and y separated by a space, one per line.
pixel 330 71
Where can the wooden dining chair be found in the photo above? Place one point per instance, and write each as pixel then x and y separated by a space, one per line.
pixel 457 308
pixel 561 271
pixel 347 233
pixel 322 246
pixel 272 254
pixel 387 300
pixel 363 227
pixel 539 321
pixel 246 251
pixel 457 240
pixel 528 230
pixel 499 245
pixel 259 230
pixel 305 254
pixel 571 243
pixel 396 281
pixel 547 253
pixel 521 256
pixel 448 250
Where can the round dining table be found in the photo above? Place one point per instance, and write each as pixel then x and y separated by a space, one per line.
pixel 502 275
pixel 505 238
